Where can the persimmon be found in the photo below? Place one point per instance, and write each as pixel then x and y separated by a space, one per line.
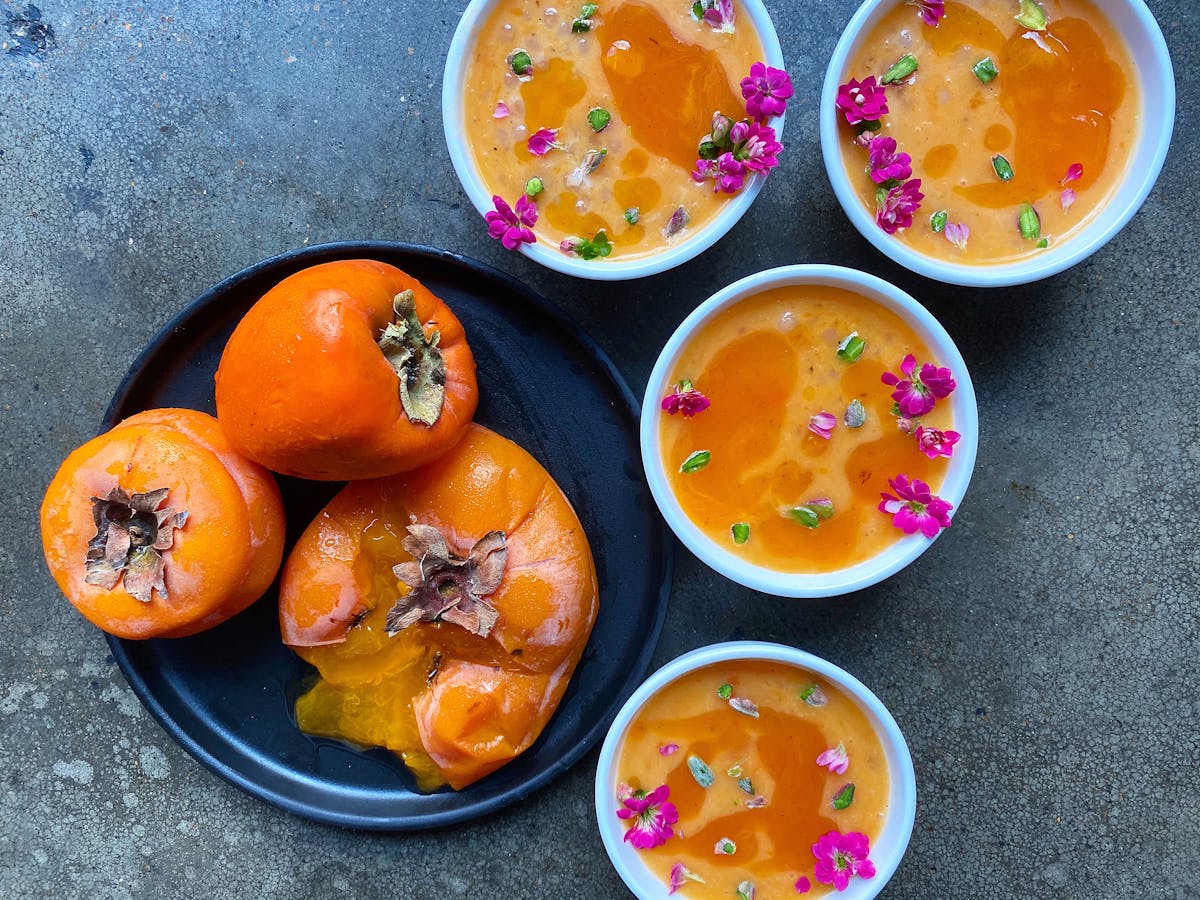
pixel 444 608
pixel 160 528
pixel 346 370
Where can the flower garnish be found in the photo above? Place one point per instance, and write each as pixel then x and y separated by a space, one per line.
pixel 822 424
pixel 803 885
pixel 1029 223
pixel 836 759
pixel 851 347
pixel 917 393
pixel 501 110
pixel 1032 16
pixel 930 10
pixel 767 90
pixel 745 890
pixel 754 146
pixel 744 706
pixel 728 174
pixel 885 164
pixel 985 70
pixel 701 772
pixel 543 141
pixel 652 814
pixel 740 531
pixel 725 846
pixel 587 248
pixel 957 233
pixel 841 857
pixel 679 874
pixel 624 792
pixel 934 443
pixel 696 461
pixel 512 228
pixel 914 508
pixel 582 23
pixel 668 749
pixel 718 14
pixel 814 696
pixel 1067 198
pixel 844 797
pixel 855 415
pixel 896 208
pixel 520 63
pixel 862 101
pixel 685 399
pixel 900 69
pixel 1074 173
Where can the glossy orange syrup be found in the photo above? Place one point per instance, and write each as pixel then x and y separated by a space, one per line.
pixel 652 66
pixel 1075 100
pixel 777 751
pixel 769 363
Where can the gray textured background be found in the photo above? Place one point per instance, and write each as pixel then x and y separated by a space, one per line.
pixel 1040 659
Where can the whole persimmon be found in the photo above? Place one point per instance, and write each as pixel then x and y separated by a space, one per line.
pixel 160 528
pixel 444 608
pixel 346 370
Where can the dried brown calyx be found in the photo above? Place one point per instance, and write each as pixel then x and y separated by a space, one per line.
pixel 131 534
pixel 445 586
pixel 417 361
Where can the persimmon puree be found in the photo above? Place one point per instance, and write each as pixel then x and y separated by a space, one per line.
pixel 1076 101
pixel 777 752
pixel 661 75
pixel 768 364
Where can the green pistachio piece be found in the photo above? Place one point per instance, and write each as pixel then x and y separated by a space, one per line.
pixel 1029 222
pixel 520 63
pixel 533 187
pixel 598 117
pixel 844 797
pixel 695 462
pixel 1032 16
pixel 1004 169
pixel 985 70
pixel 740 532
pixel 701 772
pixel 901 69
pixel 851 348
pixel 938 221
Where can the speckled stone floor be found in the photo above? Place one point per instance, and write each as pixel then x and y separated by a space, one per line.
pixel 1040 660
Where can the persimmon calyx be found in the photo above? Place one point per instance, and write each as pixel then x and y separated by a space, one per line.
pixel 131 534
pixel 445 586
pixel 417 360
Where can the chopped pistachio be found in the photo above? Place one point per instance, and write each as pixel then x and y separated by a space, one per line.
pixel 708 150
pixel 745 890
pixel 814 696
pixel 844 797
pixel 740 532
pixel 598 117
pixel 805 516
pixel 533 187
pixel 1004 169
pixel 822 507
pixel 695 462
pixel 938 221
pixel 1032 16
pixel 725 691
pixel 746 785
pixel 856 414
pixel 520 62
pixel 901 69
pixel 851 348
pixel 725 846
pixel 583 22
pixel 1043 243
pixel 744 706
pixel 985 70
pixel 701 772
pixel 633 214
pixel 1029 222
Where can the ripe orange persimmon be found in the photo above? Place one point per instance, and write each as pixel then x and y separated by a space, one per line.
pixel 345 370
pixel 160 528
pixel 445 609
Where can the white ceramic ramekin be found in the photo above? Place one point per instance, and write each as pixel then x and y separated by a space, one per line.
pixel 898 555
pixel 612 269
pixel 886 850
pixel 1152 65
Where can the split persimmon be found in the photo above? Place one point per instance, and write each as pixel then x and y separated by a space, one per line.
pixel 444 608
pixel 345 370
pixel 160 528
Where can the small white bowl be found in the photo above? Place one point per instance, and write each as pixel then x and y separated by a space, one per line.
pixel 886 850
pixel 1152 64
pixel 454 124
pixel 899 554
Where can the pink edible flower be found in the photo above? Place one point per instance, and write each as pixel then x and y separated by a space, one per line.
pixel 679 874
pixel 841 857
pixel 1067 198
pixel 668 749
pixel 501 110
pixel 822 425
pixel 934 443
pixel 684 398
pixel 914 508
pixel 861 101
pixel 957 233
pixel 835 760
pixel 803 885
pixel 917 394
pixel 727 172
pixel 886 164
pixel 754 146
pixel 767 90
pixel 1074 173
pixel 652 814
pixel 720 16
pixel 897 209
pixel 512 228
pixel 930 10
pixel 543 141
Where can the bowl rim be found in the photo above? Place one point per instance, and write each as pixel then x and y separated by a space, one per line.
pixel 902 798
pixel 862 574
pixel 1157 81
pixel 453 77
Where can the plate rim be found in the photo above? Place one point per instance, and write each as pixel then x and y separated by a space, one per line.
pixel 212 297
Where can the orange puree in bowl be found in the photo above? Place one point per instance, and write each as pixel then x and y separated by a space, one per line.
pixel 777 752
pixel 768 364
pixel 1073 101
pixel 659 73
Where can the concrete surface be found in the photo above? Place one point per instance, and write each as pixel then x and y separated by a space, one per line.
pixel 1040 660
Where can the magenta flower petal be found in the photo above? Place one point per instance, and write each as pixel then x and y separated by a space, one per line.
pixel 1074 173
pixel 652 815
pixel 766 91
pixel 898 206
pixel 934 443
pixel 755 146
pixel 1067 198
pixel 842 857
pixel 885 163
pixel 685 399
pixel 957 233
pixel 501 110
pixel 822 425
pixel 861 101
pixel 543 141
pixel 803 885
pixel 512 228
pixel 835 760
pixel 931 11
pixel 913 508
pixel 668 749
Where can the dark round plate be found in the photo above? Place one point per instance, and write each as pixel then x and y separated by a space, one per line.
pixel 226 695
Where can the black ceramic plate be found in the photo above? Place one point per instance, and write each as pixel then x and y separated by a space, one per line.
pixel 226 695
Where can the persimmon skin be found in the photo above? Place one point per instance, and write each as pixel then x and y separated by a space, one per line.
pixel 491 696
pixel 304 389
pixel 220 561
